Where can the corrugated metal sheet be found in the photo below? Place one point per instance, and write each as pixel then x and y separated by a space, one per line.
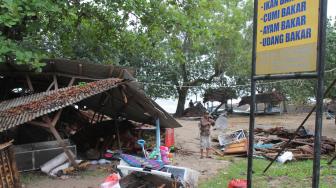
pixel 24 109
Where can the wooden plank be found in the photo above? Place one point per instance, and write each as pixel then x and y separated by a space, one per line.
pixel 232 149
pixel 217 151
pixel 5 145
pixel 235 150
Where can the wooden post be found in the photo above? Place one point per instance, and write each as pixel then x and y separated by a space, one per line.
pixel 30 85
pixel 117 130
pixel 80 69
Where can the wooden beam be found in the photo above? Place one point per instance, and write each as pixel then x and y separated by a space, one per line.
pixel 40 124
pixel 50 124
pixel 30 85
pixel 55 82
pixel 60 141
pixel 58 74
pixel 50 86
pixel 71 81
pixel 56 118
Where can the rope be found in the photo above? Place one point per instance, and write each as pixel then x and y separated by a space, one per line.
pixel 232 86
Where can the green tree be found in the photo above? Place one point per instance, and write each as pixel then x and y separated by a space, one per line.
pixel 20 23
pixel 192 42
pixel 180 44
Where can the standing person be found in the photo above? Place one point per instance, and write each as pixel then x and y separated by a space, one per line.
pixel 191 104
pixel 204 126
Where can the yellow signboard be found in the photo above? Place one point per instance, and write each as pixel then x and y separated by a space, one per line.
pixel 287 36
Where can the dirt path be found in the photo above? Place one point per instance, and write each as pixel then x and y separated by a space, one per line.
pixel 187 138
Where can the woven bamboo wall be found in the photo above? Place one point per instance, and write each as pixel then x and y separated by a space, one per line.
pixel 9 176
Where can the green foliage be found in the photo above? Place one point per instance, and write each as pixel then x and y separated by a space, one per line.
pixel 292 174
pixel 173 45
pixel 19 22
pixel 190 43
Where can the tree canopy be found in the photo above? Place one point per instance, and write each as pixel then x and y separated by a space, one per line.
pixel 175 45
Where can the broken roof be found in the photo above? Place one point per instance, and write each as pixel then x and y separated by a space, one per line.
pixel 68 68
pixel 271 97
pixel 24 109
pixel 116 94
pixel 124 98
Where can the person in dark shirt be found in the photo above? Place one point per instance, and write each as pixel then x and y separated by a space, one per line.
pixel 191 104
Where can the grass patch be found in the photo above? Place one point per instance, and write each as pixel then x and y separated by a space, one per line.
pixel 293 174
pixel 93 173
pixel 31 177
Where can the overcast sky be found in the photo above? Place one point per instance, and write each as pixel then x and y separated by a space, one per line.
pixel 332 8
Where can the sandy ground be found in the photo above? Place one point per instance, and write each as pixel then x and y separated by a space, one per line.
pixel 187 139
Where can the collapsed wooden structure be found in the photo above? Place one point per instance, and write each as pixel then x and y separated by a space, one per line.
pixel 221 95
pixel 273 98
pixel 271 140
pixel 269 99
pixel 37 98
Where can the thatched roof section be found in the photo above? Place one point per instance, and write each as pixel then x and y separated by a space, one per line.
pixel 272 97
pixel 220 94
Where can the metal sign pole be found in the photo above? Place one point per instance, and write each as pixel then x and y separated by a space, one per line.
pixel 253 97
pixel 319 96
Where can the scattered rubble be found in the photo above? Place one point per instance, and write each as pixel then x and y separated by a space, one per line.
pixel 270 141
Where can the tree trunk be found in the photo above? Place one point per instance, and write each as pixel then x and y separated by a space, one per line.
pixel 182 96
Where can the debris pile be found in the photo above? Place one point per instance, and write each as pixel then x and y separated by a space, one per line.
pixel 270 141
pixel 194 111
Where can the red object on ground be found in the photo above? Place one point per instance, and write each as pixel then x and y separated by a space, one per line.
pixel 112 178
pixel 237 183
pixel 169 139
